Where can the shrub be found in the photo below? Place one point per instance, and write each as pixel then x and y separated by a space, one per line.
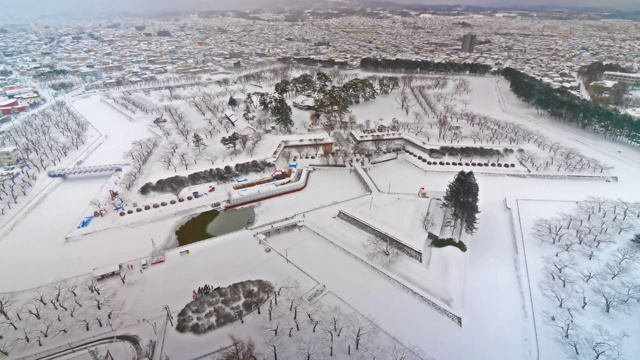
pixel 220 307
pixel 442 242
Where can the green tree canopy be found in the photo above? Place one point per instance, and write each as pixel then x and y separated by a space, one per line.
pixel 281 111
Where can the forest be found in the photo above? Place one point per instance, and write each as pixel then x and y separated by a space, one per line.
pixel 566 107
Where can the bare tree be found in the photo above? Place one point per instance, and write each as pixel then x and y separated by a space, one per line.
pixel 555 293
pixel 615 269
pixel 603 344
pixel 589 274
pixel 7 301
pixel 185 159
pixel 360 330
pixel 239 350
pixel 381 249
pixel 35 310
pixel 549 230
pixel 627 256
pixel 276 344
pixel 286 154
pixel 307 348
pixel 244 141
pixel 397 351
pixel 559 263
pixel 6 347
pixel 84 323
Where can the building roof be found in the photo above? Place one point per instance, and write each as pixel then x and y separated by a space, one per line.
pixel 105 270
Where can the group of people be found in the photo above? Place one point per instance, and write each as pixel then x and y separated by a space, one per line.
pixel 202 290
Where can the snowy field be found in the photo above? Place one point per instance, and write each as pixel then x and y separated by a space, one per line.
pixel 492 287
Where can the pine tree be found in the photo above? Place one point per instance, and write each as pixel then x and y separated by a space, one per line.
pixel 230 141
pixel 198 142
pixel 281 111
pixel 233 102
pixel 283 87
pixel 461 198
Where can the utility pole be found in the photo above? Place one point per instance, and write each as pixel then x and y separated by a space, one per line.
pixel 166 308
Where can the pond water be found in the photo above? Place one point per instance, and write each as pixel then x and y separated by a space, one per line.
pixel 214 223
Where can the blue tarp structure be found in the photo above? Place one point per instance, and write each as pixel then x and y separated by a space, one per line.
pixel 85 222
pixel 293 165
pixel 241 180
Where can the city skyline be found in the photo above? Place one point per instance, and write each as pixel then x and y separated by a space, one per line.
pixel 78 6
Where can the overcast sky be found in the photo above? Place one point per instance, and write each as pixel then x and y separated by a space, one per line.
pixel 57 6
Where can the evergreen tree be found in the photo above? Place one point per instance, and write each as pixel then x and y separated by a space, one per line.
pixel 323 80
pixel 461 198
pixel 231 141
pixel 265 101
pixel 303 83
pixel 636 239
pixel 281 111
pixel 233 102
pixel 283 87
pixel 333 103
pixel 198 142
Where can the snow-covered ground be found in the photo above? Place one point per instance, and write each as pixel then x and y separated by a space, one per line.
pixel 490 286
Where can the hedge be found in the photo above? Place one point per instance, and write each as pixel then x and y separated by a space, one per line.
pixel 206 176
pixel 440 243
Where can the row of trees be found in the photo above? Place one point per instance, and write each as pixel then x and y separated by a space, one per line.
pixel 139 155
pixel 423 66
pixel 566 107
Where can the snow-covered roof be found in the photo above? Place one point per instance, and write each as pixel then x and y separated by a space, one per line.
pixel 231 115
pixel 106 270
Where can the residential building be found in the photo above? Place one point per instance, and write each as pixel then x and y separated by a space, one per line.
pixel 631 79
pixel 9 156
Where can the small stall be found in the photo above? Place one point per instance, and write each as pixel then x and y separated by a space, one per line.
pixel 105 272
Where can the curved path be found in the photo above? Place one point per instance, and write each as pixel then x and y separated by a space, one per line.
pixel 71 348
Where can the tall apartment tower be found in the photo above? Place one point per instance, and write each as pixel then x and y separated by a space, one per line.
pixel 468 42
